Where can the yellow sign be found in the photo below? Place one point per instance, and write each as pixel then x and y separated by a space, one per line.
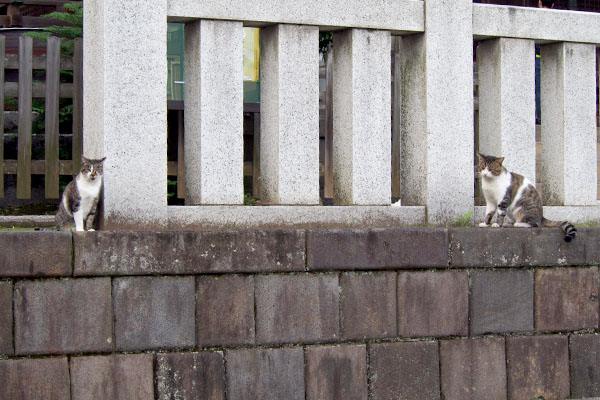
pixel 251 54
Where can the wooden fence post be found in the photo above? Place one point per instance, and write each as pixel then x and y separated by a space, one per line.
pixel 77 144
pixel 25 99
pixel 2 47
pixel 51 121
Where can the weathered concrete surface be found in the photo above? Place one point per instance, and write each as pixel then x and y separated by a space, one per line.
pixel 406 15
pixel 114 377
pixel 126 253
pixel 566 299
pixel 537 366
pixel 289 113
pixel 33 379
pixel 585 365
pixel 477 247
pixel 376 248
pixel 336 372
pixel 269 374
pixel 445 312
pixel 297 308
pixel 408 370
pixel 63 316
pixel 225 310
pixel 473 369
pixel 6 317
pixel 154 313
pixel 368 305
pixel 29 254
pixel 190 376
pixel 501 301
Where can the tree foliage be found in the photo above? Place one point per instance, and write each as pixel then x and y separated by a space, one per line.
pixel 73 17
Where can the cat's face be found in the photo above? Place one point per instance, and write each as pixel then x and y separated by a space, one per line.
pixel 91 169
pixel 490 166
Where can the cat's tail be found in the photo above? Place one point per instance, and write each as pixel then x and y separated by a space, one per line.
pixel 566 226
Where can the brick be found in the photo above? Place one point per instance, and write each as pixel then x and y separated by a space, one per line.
pixel 408 370
pixel 225 310
pixel 336 372
pixel 29 254
pixel 585 366
pixel 433 303
pixel 33 379
pixel 6 318
pixel 376 248
pixel 114 377
pixel 368 305
pixel 566 299
pixel 63 316
pixel 537 366
pixel 189 376
pixel 473 369
pixel 266 374
pixel 191 252
pixel 154 313
pixel 521 247
pixel 501 301
pixel 297 308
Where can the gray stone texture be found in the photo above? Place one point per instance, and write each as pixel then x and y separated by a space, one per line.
pixel 154 312
pixel 297 308
pixel 214 112
pixel 28 254
pixel 266 374
pixel 501 301
pixel 537 366
pixel 433 303
pixel 534 23
pixel 437 113
pixel 289 86
pixel 124 117
pixel 225 310
pixel 6 318
pixel 568 102
pixel 63 316
pixel 585 366
pixel 362 117
pixel 376 248
pixel 368 305
pixel 408 370
pixel 473 369
pixel 520 247
pixel 142 253
pixel 114 377
pixel 190 376
pixel 34 379
pixel 336 372
pixel 507 102
pixel 405 15
pixel 566 299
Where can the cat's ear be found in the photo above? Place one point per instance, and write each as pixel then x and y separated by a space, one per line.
pixel 102 160
pixel 481 158
pixel 500 160
pixel 84 160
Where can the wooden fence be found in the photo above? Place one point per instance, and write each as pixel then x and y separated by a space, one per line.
pixel 51 89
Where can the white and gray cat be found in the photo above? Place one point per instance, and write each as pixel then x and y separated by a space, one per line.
pixel 80 198
pixel 513 195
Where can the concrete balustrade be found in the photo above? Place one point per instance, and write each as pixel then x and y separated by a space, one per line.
pixel 125 116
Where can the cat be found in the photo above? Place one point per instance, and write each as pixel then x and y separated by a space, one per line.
pixel 80 198
pixel 513 195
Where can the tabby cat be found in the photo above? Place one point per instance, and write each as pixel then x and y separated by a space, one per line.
pixel 513 195
pixel 80 198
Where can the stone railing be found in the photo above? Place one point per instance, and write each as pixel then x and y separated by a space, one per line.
pixel 125 108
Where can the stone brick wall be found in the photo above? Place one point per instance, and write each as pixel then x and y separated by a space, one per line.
pixel 300 314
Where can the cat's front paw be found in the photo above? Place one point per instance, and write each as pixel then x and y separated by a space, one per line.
pixel 495 225
pixel 91 230
pixel 483 225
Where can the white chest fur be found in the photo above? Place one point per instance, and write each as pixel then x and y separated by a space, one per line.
pixel 494 188
pixel 88 191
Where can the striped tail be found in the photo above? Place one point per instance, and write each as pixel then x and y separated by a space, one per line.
pixel 566 226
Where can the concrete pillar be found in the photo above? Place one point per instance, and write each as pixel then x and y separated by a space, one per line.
pixel 362 117
pixel 214 165
pixel 568 100
pixel 507 102
pixel 289 92
pixel 437 112
pixel 125 114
